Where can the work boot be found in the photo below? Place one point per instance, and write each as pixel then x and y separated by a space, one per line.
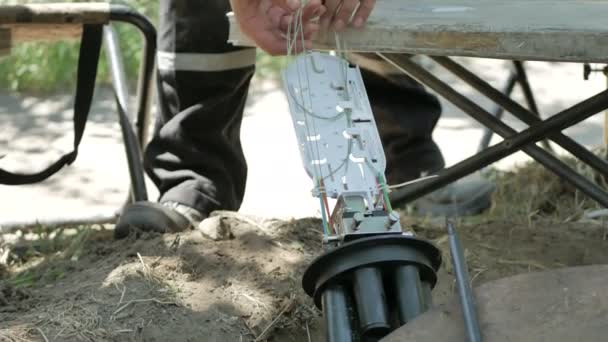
pixel 166 217
pixel 469 196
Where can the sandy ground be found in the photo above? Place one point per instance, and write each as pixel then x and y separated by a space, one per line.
pixel 35 130
pixel 87 287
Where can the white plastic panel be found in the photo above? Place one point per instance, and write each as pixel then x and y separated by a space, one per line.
pixel 335 127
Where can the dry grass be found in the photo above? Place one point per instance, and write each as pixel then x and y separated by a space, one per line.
pixel 87 318
pixel 93 319
pixel 531 193
pixel 70 321
pixel 15 334
pixel 273 324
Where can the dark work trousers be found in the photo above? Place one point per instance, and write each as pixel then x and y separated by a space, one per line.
pixel 195 156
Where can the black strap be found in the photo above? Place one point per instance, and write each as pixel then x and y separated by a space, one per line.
pixel 90 48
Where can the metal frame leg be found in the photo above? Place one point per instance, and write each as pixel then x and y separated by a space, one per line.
pixel 524 83
pixel 131 143
pixel 498 113
pixel 517 76
pixel 134 141
pixel 522 113
pixel 513 141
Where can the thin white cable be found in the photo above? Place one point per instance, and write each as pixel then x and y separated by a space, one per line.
pixel 402 185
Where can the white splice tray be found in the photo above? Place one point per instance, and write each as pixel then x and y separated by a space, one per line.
pixel 334 124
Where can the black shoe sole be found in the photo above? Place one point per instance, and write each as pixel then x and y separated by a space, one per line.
pixel 149 217
pixel 472 206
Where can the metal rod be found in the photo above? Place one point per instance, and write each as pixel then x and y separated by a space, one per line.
pixel 513 141
pixel 117 69
pixel 522 113
pixel 121 91
pixel 526 88
pixel 121 13
pixel 498 113
pixel 524 83
pixel 467 301
pixel 337 316
pixel 605 71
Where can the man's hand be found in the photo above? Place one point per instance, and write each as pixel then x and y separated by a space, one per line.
pixel 340 12
pixel 267 22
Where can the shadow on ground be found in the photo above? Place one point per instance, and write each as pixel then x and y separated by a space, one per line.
pixel 168 288
pixel 185 287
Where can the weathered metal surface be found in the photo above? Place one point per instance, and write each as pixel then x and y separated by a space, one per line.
pixel 48 22
pixel 558 30
pixel 58 13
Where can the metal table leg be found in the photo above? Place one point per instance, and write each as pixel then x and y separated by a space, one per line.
pixel 517 76
pixel 498 113
pixel 132 147
pixel 513 141
pixel 522 113
pixel 134 142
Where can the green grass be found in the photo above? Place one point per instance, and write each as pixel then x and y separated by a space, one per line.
pixel 45 67
pixel 51 66
pixel 50 256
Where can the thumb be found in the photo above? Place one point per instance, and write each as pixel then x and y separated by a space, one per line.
pixel 288 5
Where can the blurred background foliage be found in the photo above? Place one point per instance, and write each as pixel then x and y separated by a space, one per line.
pixel 49 67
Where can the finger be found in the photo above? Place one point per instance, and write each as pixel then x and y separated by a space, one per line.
pixel 284 23
pixel 307 36
pixel 312 9
pixel 303 41
pixel 300 46
pixel 365 9
pixel 277 16
pixel 320 12
pixel 343 15
pixel 287 20
pixel 310 30
pixel 273 43
pixel 309 27
pixel 331 9
pixel 288 5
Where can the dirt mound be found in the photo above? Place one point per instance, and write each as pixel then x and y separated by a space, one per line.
pixel 243 286
pixel 172 288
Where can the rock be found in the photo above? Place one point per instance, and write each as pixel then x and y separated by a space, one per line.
pixel 216 228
